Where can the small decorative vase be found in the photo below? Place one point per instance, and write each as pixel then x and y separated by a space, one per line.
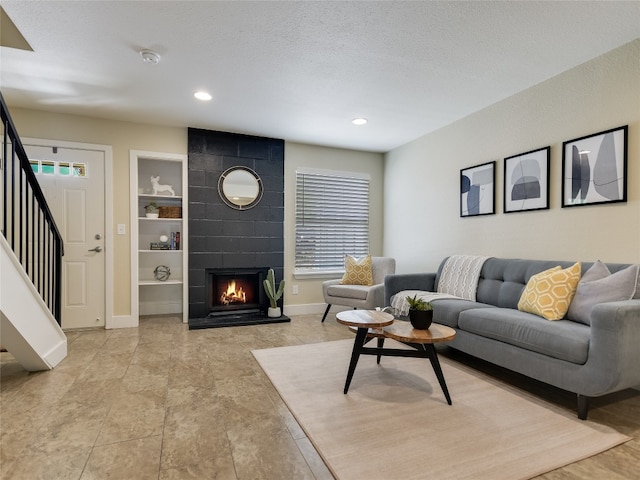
pixel 274 312
pixel 421 319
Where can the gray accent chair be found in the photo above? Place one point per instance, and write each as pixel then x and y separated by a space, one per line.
pixel 366 297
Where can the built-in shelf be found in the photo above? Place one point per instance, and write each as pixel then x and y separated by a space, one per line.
pixel 158 282
pixel 149 295
pixel 165 197
pixel 161 251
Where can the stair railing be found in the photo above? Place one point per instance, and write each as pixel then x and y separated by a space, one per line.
pixel 27 224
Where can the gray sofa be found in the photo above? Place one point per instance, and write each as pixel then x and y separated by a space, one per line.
pixel 589 360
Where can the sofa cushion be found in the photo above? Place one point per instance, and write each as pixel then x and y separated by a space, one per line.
pixel 549 293
pixel 358 292
pixel 599 285
pixel 357 272
pixel 446 311
pixel 502 280
pixel 564 339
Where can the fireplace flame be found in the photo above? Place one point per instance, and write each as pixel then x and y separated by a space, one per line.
pixel 231 295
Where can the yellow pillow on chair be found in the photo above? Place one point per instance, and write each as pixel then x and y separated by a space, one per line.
pixel 357 272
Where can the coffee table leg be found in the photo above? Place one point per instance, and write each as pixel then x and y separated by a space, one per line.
pixel 380 345
pixel 358 343
pixel 435 363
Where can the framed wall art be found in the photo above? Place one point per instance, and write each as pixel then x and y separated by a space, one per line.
pixel 594 168
pixel 526 181
pixel 477 190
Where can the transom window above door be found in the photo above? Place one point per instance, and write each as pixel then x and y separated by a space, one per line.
pixel 65 169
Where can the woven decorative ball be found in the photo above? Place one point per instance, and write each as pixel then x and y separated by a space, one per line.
pixel 162 273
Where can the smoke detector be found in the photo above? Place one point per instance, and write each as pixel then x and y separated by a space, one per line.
pixel 149 56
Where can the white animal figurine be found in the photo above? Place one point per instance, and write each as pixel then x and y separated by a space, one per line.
pixel 157 188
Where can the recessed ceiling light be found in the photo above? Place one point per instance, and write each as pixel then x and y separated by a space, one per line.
pixel 204 96
pixel 359 121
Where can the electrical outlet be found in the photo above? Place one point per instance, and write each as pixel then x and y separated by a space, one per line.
pixel 294 290
pixel 122 229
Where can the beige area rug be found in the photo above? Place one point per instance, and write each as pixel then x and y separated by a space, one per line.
pixel 395 422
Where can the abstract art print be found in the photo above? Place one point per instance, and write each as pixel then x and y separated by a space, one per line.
pixel 477 190
pixel 526 181
pixel 594 168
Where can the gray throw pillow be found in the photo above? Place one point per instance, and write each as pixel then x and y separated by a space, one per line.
pixel 599 286
pixel 637 294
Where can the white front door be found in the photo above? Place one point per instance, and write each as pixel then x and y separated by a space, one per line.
pixel 72 180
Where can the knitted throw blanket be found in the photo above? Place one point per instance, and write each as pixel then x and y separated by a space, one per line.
pixel 460 276
pixel 401 306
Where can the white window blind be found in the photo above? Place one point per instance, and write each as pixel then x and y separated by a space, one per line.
pixel 332 219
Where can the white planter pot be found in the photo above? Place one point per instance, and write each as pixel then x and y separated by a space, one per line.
pixel 152 215
pixel 274 312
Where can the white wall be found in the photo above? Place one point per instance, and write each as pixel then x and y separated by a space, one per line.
pixel 422 178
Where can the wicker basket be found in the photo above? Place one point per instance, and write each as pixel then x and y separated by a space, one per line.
pixel 170 212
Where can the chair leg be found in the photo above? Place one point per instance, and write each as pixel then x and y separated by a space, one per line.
pixel 326 311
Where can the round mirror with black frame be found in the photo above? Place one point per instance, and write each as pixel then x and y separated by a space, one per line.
pixel 240 188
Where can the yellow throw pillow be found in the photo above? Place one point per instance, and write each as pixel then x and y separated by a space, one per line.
pixel 549 293
pixel 357 272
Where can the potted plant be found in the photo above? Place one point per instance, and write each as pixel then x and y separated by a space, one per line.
pixel 420 313
pixel 152 210
pixel 273 294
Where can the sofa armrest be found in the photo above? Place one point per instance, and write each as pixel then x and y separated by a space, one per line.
pixel 615 345
pixel 407 281
pixel 375 297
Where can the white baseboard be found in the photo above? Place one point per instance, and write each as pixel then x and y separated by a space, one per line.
pixel 311 309
pixel 122 321
pixel 160 308
pixel 57 354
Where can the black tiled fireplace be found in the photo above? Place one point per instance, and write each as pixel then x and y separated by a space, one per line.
pixel 222 239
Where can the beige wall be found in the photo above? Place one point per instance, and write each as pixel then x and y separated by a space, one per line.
pixel 422 222
pixel 298 155
pixel 124 136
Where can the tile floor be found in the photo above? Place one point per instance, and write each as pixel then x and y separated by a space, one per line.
pixel 163 402
pixel 158 402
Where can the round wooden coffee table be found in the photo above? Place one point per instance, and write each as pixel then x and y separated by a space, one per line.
pixel 405 333
pixel 381 325
pixel 423 341
pixel 363 320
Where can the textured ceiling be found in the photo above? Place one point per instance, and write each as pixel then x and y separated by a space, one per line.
pixel 300 70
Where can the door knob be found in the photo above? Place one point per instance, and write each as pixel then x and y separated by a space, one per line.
pixel 97 249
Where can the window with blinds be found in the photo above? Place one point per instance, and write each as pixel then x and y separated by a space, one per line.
pixel 332 219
